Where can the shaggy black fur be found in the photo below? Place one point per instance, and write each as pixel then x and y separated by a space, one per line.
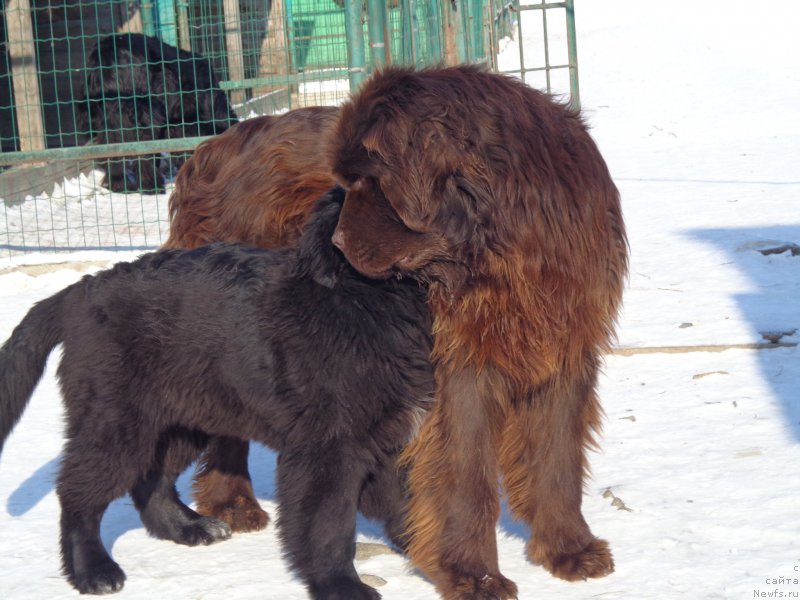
pixel 137 89
pixel 291 348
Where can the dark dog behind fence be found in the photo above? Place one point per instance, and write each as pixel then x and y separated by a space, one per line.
pixel 139 89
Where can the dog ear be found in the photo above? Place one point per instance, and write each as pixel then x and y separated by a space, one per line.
pixel 467 199
pixel 317 258
pixel 429 160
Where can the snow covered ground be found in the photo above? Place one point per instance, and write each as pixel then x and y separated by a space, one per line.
pixel 696 107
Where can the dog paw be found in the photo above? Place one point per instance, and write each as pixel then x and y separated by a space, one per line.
pixel 105 578
pixel 241 514
pixel 594 560
pixel 343 589
pixel 205 531
pixel 488 587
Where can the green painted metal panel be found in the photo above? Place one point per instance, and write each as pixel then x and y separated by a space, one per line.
pixel 355 43
pixel 166 21
pixel 317 31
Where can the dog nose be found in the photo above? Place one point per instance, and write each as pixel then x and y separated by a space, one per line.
pixel 338 238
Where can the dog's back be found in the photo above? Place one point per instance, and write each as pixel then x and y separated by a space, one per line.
pixel 186 318
pixel 256 183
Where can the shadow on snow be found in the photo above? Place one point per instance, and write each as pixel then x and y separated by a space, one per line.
pixel 770 258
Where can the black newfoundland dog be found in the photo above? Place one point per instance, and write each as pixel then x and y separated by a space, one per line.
pixel 291 348
pixel 137 89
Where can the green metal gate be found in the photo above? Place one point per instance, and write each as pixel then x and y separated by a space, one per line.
pixel 540 44
pixel 270 55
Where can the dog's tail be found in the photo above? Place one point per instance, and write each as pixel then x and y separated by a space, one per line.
pixel 23 358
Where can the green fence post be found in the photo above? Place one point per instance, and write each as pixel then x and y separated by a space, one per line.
pixel 434 30
pixel 572 53
pixel 454 17
pixel 407 41
pixel 354 32
pixel 376 16
pixel 475 30
pixel 413 51
pixel 290 32
pixel 183 25
pixel 167 25
pixel 148 19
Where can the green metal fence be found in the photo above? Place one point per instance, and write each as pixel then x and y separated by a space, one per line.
pixel 269 56
pixel 536 41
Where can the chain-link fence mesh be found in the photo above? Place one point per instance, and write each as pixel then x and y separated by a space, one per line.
pixel 102 100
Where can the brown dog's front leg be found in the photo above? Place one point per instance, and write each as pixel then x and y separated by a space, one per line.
pixel 544 463
pixel 454 504
pixel 222 486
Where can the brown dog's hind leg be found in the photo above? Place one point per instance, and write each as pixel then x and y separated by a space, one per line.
pixel 454 503
pixel 222 486
pixel 543 461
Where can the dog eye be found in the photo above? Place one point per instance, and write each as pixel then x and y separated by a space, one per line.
pixel 347 180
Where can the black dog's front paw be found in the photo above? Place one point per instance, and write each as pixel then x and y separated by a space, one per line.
pixel 343 589
pixel 105 578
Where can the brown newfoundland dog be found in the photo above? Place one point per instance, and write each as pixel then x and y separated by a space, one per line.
pixel 255 183
pixel 497 197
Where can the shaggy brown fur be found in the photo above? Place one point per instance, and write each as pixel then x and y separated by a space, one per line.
pixel 498 198
pixel 255 183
